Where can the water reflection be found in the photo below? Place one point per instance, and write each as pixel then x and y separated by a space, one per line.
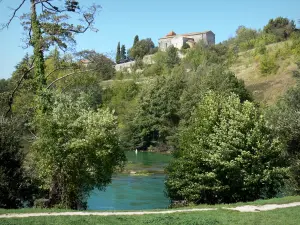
pixel 133 192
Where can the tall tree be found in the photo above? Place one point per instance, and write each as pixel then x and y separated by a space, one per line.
pixel 15 187
pixel 281 27
pixel 227 154
pixel 47 24
pixel 136 40
pixel 172 57
pixel 77 150
pixel 141 48
pixel 118 56
pixel 123 52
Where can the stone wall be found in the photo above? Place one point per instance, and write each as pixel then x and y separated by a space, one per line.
pixel 148 59
pixel 124 66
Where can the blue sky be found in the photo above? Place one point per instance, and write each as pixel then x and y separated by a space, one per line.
pixel 121 20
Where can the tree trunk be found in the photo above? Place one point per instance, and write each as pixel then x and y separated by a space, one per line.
pixel 37 44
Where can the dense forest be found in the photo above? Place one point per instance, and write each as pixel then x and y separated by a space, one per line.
pixel 66 119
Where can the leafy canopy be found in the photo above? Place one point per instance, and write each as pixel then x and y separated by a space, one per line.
pixel 77 149
pixel 227 154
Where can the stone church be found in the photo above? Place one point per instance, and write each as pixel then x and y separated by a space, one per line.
pixel 178 40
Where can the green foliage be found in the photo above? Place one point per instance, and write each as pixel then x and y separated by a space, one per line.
pixel 227 154
pixel 288 216
pixel 157 116
pixel 281 27
pixel 172 58
pixel 296 44
pixel 118 55
pixel 16 188
pixel 185 46
pixel 245 38
pixel 123 53
pixel 4 85
pixel 203 55
pixel 154 70
pixel 77 149
pixel 260 49
pixel 214 78
pixel 136 40
pixel 141 48
pixel 138 65
pixel 102 66
pixel 268 64
pixel 284 118
pixel 5 88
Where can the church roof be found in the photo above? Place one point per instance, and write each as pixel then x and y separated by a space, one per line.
pixel 172 33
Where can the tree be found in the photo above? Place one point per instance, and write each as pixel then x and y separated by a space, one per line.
pixel 284 119
pixel 157 116
pixel 47 25
pixel 141 48
pixel 227 154
pixel 118 56
pixel 245 37
pixel 210 77
pixel 185 46
pixel 136 40
pixel 172 57
pixel 101 65
pixel 77 149
pixel 281 27
pixel 123 53
pixel 16 189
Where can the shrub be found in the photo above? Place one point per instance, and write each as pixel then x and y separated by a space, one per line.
pixel 268 64
pixel 227 154
pixel 260 48
pixel 16 188
pixel 77 150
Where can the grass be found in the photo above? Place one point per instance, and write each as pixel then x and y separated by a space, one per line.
pixel 283 200
pixel 285 216
pixel 266 88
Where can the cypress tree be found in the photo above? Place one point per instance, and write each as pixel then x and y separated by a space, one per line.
pixel 123 52
pixel 136 40
pixel 118 56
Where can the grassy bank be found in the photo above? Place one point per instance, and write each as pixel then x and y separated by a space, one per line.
pixel 286 216
pixel 221 216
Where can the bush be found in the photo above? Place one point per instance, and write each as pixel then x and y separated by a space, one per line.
pixel 284 118
pixel 281 27
pixel 268 64
pixel 227 154
pixel 185 46
pixel 260 49
pixel 77 150
pixel 16 188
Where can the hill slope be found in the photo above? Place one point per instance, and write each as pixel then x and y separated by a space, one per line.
pixel 266 88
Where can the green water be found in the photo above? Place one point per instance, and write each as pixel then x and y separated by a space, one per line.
pixel 131 191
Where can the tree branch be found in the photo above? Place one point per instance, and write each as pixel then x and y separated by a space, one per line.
pixel 57 69
pixel 14 15
pixel 11 98
pixel 67 75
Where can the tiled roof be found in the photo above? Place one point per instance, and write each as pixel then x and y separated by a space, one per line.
pixel 171 34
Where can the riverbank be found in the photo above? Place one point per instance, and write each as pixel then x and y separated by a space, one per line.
pixel 273 211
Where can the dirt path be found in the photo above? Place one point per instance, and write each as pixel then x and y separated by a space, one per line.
pixel 246 208
pixel 253 208
pixel 22 215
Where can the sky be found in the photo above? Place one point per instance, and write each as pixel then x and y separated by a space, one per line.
pixel 121 20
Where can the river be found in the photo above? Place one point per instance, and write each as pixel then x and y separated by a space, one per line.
pixel 141 187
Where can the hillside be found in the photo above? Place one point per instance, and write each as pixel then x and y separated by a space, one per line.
pixel 266 88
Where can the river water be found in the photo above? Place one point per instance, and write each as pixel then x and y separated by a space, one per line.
pixel 141 187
